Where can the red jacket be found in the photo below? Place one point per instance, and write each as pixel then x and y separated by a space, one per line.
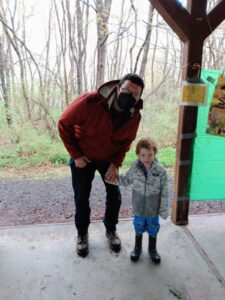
pixel 86 127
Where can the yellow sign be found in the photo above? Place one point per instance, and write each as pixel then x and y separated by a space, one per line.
pixel 194 93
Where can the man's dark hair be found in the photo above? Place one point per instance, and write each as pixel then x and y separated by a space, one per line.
pixel 136 79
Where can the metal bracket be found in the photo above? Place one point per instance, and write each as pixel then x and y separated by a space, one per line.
pixel 183 198
pixel 186 136
pixel 185 162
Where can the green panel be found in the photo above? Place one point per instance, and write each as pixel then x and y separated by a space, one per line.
pixel 207 181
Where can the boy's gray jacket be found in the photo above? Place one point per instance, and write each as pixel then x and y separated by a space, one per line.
pixel 150 192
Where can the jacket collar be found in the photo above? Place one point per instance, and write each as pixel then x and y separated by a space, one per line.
pixel 141 166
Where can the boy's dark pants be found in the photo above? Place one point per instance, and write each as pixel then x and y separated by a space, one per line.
pixel 82 181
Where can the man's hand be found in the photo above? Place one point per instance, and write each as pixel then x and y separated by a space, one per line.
pixel 112 173
pixel 81 162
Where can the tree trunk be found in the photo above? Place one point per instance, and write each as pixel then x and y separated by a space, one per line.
pixel 22 76
pixel 3 84
pixel 146 43
pixel 135 37
pixel 103 8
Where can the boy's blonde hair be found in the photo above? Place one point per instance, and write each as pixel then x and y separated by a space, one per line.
pixel 147 143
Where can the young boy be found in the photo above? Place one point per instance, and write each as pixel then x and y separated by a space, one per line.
pixel 149 196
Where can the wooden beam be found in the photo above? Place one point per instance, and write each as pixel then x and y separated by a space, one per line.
pixel 214 18
pixel 198 11
pixel 176 16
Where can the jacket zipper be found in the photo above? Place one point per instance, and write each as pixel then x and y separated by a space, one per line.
pixel 145 196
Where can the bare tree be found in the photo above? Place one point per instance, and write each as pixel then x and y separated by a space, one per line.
pixel 84 40
pixel 179 56
pixel 82 36
pixel 11 35
pixel 11 86
pixel 215 50
pixel 47 74
pixel 154 50
pixel 3 84
pixel 115 62
pixel 62 30
pixel 103 8
pixel 135 35
pixel 146 44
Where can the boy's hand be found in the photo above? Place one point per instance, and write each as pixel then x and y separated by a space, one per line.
pixel 112 173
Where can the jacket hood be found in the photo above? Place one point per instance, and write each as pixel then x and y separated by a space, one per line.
pixel 107 89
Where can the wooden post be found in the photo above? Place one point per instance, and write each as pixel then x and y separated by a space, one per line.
pixel 187 115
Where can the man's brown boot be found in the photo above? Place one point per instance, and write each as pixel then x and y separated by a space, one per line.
pixel 82 245
pixel 113 240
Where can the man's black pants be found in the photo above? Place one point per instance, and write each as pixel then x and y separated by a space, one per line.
pixel 82 181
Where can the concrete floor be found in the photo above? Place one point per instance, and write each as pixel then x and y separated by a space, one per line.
pixel 39 262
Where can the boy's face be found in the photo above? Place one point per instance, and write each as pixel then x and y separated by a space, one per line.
pixel 146 156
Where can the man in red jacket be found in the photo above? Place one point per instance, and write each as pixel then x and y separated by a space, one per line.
pixel 97 130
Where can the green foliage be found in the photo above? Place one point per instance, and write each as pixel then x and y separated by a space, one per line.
pixel 27 147
pixel 167 156
pixel 129 159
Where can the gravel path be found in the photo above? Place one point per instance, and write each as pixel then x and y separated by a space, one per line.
pixel 26 201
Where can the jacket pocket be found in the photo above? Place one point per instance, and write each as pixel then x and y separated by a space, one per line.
pixel 153 186
pixel 154 201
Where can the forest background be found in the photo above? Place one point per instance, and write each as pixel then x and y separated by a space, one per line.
pixel 53 50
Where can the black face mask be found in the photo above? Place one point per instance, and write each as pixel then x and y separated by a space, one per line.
pixel 126 101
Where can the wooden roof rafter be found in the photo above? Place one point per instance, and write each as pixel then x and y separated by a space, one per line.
pixel 214 18
pixel 182 21
pixel 176 16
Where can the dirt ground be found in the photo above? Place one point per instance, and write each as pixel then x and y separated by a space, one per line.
pixel 25 200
